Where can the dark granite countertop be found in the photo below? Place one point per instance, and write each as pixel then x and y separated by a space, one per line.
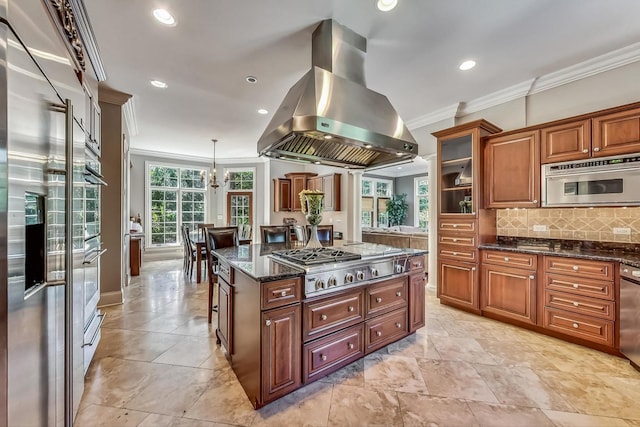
pixel 574 251
pixel 254 260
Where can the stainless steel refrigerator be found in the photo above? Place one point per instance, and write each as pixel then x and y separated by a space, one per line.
pixel 42 221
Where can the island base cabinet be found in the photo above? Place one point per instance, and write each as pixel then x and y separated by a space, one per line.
pixel 225 316
pixel 327 354
pixel 281 345
pixel 416 296
pixel 458 285
pixel 509 293
pixel 385 329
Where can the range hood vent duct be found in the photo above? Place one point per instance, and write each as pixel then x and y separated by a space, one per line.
pixel 330 117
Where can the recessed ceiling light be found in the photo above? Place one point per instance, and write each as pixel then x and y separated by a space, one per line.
pixel 262 111
pixel 251 79
pixel 159 84
pixel 386 5
pixel 467 65
pixel 164 17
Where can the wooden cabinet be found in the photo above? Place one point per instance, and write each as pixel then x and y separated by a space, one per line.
pixel 509 290
pixel 325 315
pixel 281 367
pixel 458 284
pixel 286 191
pixel 314 184
pixel 327 354
pixel 382 330
pixel 616 133
pixel 135 255
pixel 224 331
pixel 298 183
pixel 281 292
pixel 566 141
pixel 417 301
pixel 579 299
pixel 332 194
pixel 281 195
pixel 512 171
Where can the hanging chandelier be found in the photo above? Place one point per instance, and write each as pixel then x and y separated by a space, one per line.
pixel 213 178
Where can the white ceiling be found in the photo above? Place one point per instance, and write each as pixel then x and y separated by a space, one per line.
pixel 413 55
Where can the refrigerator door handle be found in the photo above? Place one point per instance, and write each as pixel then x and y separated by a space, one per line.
pixel 95 257
pixel 95 334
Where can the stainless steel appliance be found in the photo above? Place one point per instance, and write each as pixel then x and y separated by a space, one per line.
pixel 331 269
pixel 42 221
pixel 630 313
pixel 330 117
pixel 608 181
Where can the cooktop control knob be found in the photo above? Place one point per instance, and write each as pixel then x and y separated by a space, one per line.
pixel 374 272
pixel 360 275
pixel 332 281
pixel 320 284
pixel 399 268
pixel 348 278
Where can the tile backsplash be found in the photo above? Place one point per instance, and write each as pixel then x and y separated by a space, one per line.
pixel 596 224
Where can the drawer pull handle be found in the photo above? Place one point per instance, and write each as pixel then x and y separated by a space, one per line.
pixel 268 323
pixel 455 253
pixel 378 333
pixel 506 259
pixel 585 151
pixel 576 303
pixel 454 240
pixel 351 346
pixel 596 149
pixel 283 293
pixel 323 357
pixel 473 269
pixel 575 325
pixel 398 294
pixel 455 225
pixel 575 268
pixel 378 300
pixel 576 286
pixel 350 308
pixel 398 325
pixel 323 317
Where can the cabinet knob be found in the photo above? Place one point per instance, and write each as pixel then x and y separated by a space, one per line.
pixel 350 308
pixel 585 150
pixel 455 253
pixel 506 259
pixel 455 225
pixel 268 322
pixel 454 240
pixel 378 300
pixel 575 268
pixel 575 325
pixel 535 200
pixel 378 333
pixel 323 317
pixel 398 294
pixel 398 325
pixel 626 270
pixel 576 286
pixel 473 269
pixel 576 303
pixel 351 346
pixel 323 357
pixel 532 277
pixel 283 293
pixel 596 148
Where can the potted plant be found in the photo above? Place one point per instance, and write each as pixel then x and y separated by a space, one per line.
pixel 397 208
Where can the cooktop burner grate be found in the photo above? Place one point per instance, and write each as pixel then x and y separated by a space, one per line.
pixel 316 256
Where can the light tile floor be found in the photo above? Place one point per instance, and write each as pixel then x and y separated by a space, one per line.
pixel 158 365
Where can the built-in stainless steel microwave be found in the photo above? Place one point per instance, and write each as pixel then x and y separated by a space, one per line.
pixel 608 181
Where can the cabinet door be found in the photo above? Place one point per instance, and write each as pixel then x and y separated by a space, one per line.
pixel 281 343
pixel 315 184
pixel 298 183
pixel 568 141
pixel 458 284
pixel 281 195
pixel 512 171
pixel 331 188
pixel 616 133
pixel 416 301
pixel 225 315
pixel 509 293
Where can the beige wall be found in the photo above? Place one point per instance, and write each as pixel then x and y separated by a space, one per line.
pixel 594 224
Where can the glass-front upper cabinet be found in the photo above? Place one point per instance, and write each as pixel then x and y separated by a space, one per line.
pixel 459 159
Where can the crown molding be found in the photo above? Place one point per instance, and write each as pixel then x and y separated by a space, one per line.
pixel 112 96
pixel 449 112
pixel 196 159
pixel 496 98
pixel 599 64
pixel 88 37
pixel 129 112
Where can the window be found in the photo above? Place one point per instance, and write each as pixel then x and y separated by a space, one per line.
pixel 375 193
pixel 177 197
pixel 240 197
pixel 421 202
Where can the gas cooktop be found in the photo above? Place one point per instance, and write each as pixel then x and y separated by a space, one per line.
pixel 316 256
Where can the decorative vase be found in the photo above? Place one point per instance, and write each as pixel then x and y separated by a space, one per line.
pixel 312 207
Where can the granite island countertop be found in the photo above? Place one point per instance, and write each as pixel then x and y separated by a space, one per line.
pixel 556 249
pixel 256 261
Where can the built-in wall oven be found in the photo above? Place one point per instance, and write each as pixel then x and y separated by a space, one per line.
pixel 609 181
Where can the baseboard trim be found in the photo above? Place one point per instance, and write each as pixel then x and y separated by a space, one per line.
pixel 110 298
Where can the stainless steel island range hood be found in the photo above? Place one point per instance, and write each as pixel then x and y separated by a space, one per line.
pixel 330 117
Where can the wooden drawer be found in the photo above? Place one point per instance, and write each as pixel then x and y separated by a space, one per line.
pixel 281 292
pixel 332 352
pixel 585 327
pixel 225 271
pixel 510 259
pixel 386 296
pixel 417 263
pixel 580 304
pixel 579 286
pixel 330 314
pixel 457 240
pixel 457 225
pixel 385 329
pixel 467 254
pixel 579 267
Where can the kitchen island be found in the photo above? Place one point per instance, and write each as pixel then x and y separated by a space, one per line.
pixel 289 316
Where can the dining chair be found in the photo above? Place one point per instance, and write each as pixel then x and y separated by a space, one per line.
pixel 189 252
pixel 300 231
pixel 325 233
pixel 217 238
pixel 202 229
pixel 275 233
